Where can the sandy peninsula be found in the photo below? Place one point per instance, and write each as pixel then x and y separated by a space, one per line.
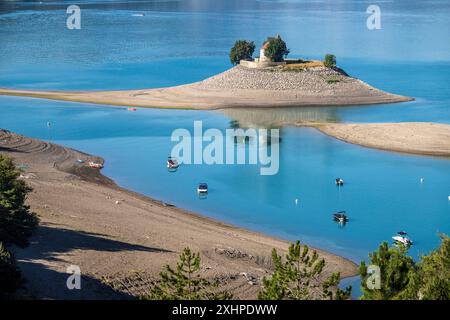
pixel 423 138
pixel 121 239
pixel 240 87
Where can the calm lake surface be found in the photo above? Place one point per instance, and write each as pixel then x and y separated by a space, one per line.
pixel 178 42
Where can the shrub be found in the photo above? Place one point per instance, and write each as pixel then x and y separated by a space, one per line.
pixel 242 50
pixel 16 220
pixel 276 49
pixel 10 278
pixel 329 61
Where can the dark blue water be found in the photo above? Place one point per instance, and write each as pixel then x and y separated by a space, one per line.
pixel 183 41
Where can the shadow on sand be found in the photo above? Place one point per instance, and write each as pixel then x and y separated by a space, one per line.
pixel 45 273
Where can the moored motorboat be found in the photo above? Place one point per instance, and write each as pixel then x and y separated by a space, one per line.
pixel 172 163
pixel 401 239
pixel 339 182
pixel 132 109
pixel 202 188
pixel 340 217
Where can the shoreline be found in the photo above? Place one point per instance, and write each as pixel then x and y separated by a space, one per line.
pixel 238 87
pixel 417 138
pixel 121 239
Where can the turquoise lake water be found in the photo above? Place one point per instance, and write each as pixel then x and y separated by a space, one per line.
pixel 179 42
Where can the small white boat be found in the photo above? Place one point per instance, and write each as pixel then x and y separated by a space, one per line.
pixel 340 217
pixel 403 240
pixel 172 163
pixel 339 182
pixel 140 14
pixel 202 188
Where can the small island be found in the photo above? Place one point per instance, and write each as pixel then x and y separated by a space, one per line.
pixel 270 80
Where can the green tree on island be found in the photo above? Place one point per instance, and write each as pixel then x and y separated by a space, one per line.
pixel 242 50
pixel 185 282
pixel 16 222
pixel 298 278
pixel 276 49
pixel 403 279
pixel 329 61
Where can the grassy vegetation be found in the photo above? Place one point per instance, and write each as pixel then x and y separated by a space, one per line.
pixel 301 66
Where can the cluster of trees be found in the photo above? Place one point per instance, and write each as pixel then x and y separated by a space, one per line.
pixel 16 223
pixel 299 276
pixel 295 277
pixel 401 278
pixel 275 50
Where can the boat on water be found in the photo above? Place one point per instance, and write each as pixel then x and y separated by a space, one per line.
pixel 340 217
pixel 95 165
pixel 401 238
pixel 202 188
pixel 139 14
pixel 339 182
pixel 172 163
pixel 132 109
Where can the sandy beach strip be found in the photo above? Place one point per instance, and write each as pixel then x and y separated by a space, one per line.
pixel 238 87
pixel 423 138
pixel 121 239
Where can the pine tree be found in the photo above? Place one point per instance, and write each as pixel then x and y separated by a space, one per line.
pixel 432 279
pixel 185 282
pixel 395 272
pixel 16 220
pixel 299 277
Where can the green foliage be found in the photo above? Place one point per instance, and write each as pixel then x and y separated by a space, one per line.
pixel 432 279
pixel 16 220
pixel 402 278
pixel 395 270
pixel 276 49
pixel 10 278
pixel 297 278
pixel 185 282
pixel 329 61
pixel 242 50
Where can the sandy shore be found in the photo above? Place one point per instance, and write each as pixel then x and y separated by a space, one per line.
pixel 423 138
pixel 239 87
pixel 121 239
